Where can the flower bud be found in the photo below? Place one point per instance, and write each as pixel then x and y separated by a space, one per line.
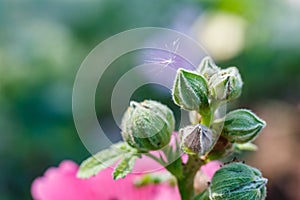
pixel 190 91
pixel 226 84
pixel 237 181
pixel 207 68
pixel 147 125
pixel 196 139
pixel 242 126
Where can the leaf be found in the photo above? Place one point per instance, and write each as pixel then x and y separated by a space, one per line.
pixel 93 165
pixel 96 163
pixel 124 167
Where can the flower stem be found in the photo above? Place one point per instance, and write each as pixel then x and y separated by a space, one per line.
pixel 206 119
pixel 186 182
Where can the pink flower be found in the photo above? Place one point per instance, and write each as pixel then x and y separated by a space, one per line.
pixel 205 175
pixel 61 184
pixel 210 168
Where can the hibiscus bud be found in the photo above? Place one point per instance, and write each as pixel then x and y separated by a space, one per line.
pixel 196 139
pixel 207 68
pixel 242 126
pixel 226 84
pixel 190 91
pixel 147 125
pixel 237 181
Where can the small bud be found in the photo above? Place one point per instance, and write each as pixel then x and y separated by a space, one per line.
pixel 207 68
pixel 147 125
pixel 196 139
pixel 242 126
pixel 190 91
pixel 226 84
pixel 237 181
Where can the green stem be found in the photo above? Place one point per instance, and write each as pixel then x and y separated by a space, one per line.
pixel 206 118
pixel 186 181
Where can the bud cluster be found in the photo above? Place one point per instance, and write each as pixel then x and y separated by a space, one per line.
pixel 148 126
pixel 199 92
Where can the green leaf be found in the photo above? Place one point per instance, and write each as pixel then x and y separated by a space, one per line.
pixel 124 167
pixel 98 162
pixel 93 165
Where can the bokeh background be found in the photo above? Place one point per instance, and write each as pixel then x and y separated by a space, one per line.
pixel 42 44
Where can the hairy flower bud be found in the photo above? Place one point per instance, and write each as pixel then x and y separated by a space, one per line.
pixel 237 181
pixel 207 68
pixel 242 126
pixel 226 84
pixel 190 91
pixel 196 139
pixel 147 125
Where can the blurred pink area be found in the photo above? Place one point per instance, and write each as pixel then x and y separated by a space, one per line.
pixel 62 184
pixel 205 175
pixel 210 168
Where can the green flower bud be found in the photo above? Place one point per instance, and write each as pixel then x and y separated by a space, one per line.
pixel 239 182
pixel 207 68
pixel 147 125
pixel 190 91
pixel 226 84
pixel 242 126
pixel 196 139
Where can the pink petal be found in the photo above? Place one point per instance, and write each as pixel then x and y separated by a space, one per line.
pixel 61 184
pixel 210 168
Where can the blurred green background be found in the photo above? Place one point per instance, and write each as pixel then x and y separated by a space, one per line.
pixel 42 44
